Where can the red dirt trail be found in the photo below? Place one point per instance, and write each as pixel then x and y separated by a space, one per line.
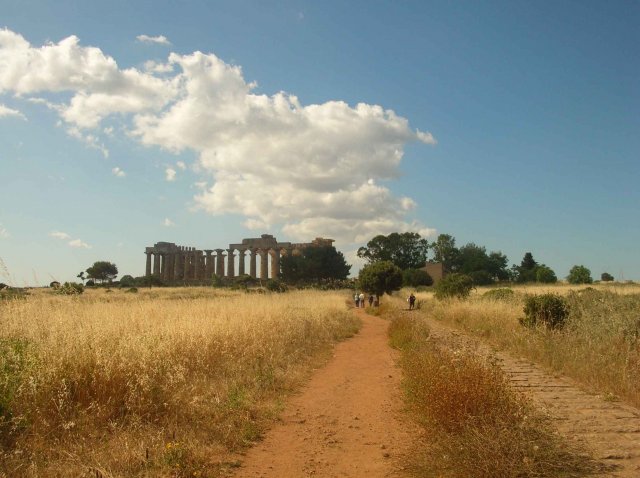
pixel 347 422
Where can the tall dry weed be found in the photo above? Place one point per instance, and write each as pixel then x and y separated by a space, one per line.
pixel 599 346
pixel 475 423
pixel 160 382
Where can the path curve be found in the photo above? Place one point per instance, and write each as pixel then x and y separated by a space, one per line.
pixel 346 422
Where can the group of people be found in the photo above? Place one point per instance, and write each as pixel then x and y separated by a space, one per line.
pixel 360 298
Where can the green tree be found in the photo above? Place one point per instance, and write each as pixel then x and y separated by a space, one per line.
pixel 454 285
pixel 415 278
pixel 81 276
pixel 579 275
pixel 313 264
pixel 483 268
pixel 606 277
pixel 445 251
pixel 545 275
pixel 102 271
pixel 380 278
pixel 526 272
pixel 407 250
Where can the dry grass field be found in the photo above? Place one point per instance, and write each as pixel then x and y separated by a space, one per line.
pixel 165 382
pixel 599 346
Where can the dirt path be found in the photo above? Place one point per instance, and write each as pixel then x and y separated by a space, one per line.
pixel 347 422
pixel 611 430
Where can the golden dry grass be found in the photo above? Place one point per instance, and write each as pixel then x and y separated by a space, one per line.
pixel 166 382
pixel 600 345
pixel 475 424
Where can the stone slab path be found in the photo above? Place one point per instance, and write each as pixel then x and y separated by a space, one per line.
pixel 611 430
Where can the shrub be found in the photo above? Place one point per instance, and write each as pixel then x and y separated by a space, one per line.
pixel 127 281
pixel 132 290
pixel 454 285
pixel 273 285
pixel 548 309
pixel 499 294
pixel 55 285
pixel 90 283
pixel 70 288
pixel 147 281
pixel 606 277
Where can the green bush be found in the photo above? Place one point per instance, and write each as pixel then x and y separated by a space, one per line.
pixel 499 294
pixel 454 285
pixel 273 285
pixel 550 310
pixel 127 281
pixel 70 288
pixel 579 275
pixel 545 275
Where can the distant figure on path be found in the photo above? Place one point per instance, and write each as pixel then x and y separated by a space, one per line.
pixel 370 300
pixel 361 299
pixel 356 299
pixel 412 301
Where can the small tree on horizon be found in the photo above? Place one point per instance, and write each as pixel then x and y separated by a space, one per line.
pixel 102 271
pixel 606 277
pixel 579 275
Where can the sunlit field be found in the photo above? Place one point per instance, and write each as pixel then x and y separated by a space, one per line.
pixel 599 346
pixel 163 382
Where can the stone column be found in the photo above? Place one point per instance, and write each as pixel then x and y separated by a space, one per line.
pixel 208 268
pixel 147 270
pixel 241 262
pixel 275 263
pixel 231 272
pixel 176 265
pixel 197 270
pixel 186 273
pixel 220 262
pixel 156 264
pixel 252 263
pixel 264 264
pixel 168 266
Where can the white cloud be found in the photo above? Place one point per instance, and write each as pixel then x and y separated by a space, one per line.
pixel 181 165
pixel 118 172
pixel 77 243
pixel 310 170
pixel 59 235
pixel 170 174
pixel 3 232
pixel 168 222
pixel 5 111
pixel 160 39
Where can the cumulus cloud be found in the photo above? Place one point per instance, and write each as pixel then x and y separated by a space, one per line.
pixel 170 174
pixel 168 222
pixel 59 235
pixel 181 165
pixel 160 39
pixel 63 236
pixel 118 172
pixel 5 111
pixel 3 232
pixel 77 243
pixel 318 169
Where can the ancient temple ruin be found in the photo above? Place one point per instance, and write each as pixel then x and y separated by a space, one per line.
pixel 181 264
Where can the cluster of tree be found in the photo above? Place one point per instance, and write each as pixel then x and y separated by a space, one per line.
pixel 530 271
pixel 100 271
pixel 314 264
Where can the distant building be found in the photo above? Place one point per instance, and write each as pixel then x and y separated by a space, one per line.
pixel 435 270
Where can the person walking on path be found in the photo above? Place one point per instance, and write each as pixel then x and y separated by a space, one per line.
pixel 370 300
pixel 356 299
pixel 361 299
pixel 412 301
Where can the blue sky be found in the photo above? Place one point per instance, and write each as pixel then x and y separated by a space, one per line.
pixel 513 125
